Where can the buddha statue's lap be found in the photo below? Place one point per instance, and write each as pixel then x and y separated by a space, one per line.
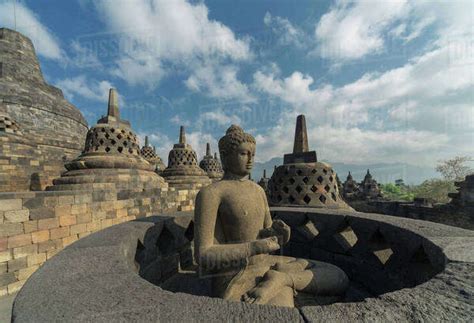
pixel 235 236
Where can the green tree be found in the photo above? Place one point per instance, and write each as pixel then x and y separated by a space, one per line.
pixel 435 189
pixel 397 193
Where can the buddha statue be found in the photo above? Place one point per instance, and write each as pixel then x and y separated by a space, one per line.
pixel 236 238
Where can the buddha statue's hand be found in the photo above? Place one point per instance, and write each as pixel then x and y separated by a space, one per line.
pixel 282 231
pixel 266 245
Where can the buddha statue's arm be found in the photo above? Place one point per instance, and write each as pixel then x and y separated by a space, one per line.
pixel 276 228
pixel 214 256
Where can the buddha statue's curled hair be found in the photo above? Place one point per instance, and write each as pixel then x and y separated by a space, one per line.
pixel 234 136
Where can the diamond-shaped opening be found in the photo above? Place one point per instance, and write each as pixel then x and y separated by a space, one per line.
pixel 298 189
pixel 125 143
pixel 307 199
pixel 292 180
pixel 280 180
pixel 101 141
pixel 320 179
pixel 325 171
pixel 334 197
pixel 119 136
pixel 113 142
pixel 112 130
pixel 102 129
pixel 322 198
pixel 123 131
pixel 327 188
pixel 306 180
pixel 331 179
pixel 130 150
pixel 120 149
pixel 165 242
pixel 279 198
pixel 346 238
pixel 314 188
pixel 107 149
pixel 107 136
pixel 299 172
pixel 314 171
pixel 285 189
pixel 291 199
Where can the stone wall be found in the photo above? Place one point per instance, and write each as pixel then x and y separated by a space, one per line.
pixel 462 217
pixel 34 226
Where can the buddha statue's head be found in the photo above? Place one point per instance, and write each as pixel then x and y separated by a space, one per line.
pixel 237 150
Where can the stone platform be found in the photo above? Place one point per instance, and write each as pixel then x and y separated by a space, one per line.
pixel 116 274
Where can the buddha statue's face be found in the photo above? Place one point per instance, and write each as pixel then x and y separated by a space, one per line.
pixel 240 161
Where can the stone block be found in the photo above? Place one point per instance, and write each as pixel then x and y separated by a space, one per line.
pixel 44 224
pixel 66 200
pixel 105 223
pixel 50 201
pixel 36 259
pixel 25 251
pixel 42 213
pixel 121 213
pixel 46 246
pixel 3 244
pixel 10 204
pixel 78 228
pixel 93 226
pixel 17 216
pixel 34 202
pixel 79 208
pixel 30 226
pixel 19 240
pixel 15 287
pixel 40 236
pixel 84 218
pixel 17 264
pixel 62 210
pixel 7 278
pixel 82 199
pixel 25 273
pixel 84 234
pixel 58 233
pixel 67 220
pixel 5 256
pixel 3 267
pixel 68 240
pixel 51 253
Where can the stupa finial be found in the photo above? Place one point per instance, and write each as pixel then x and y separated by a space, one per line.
pixel 113 108
pixel 301 136
pixel 208 150
pixel 146 141
pixel 182 135
pixel 264 173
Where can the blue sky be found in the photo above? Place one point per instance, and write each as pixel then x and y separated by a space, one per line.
pixel 379 81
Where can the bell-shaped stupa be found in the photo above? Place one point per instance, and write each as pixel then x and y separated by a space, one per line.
pixel 111 158
pixel 369 188
pixel 302 180
pixel 183 170
pixel 350 188
pixel 211 165
pixel 149 153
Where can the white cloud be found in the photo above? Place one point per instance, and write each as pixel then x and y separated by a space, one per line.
pixel 86 88
pixel 29 24
pixel 217 118
pixel 427 102
pixel 218 82
pixel 287 33
pixel 175 34
pixel 83 57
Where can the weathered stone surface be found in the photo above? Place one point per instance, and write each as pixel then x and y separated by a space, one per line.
pixel 38 127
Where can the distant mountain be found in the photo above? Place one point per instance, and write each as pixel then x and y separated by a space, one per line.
pixel 383 173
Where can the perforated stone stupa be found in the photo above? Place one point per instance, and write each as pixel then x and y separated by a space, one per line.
pixel 350 188
pixel 149 153
pixel 302 180
pixel 111 158
pixel 211 165
pixel 369 188
pixel 183 170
